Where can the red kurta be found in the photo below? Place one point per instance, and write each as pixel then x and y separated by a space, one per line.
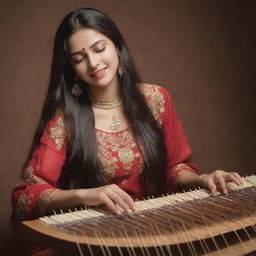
pixel 120 157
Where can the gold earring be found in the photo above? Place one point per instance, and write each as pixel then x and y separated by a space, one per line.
pixel 120 70
pixel 76 90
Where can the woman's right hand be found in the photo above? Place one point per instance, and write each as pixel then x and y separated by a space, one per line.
pixel 116 199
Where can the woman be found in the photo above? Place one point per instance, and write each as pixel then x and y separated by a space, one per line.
pixel 104 137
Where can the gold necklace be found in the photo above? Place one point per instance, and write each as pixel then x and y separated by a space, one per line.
pixel 105 104
pixel 108 104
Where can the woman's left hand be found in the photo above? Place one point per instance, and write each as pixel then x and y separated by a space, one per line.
pixel 219 177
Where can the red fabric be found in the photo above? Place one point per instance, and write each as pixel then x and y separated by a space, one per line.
pixel 121 158
pixel 30 196
pixel 44 251
pixel 178 149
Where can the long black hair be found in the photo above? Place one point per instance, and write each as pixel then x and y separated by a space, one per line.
pixel 82 168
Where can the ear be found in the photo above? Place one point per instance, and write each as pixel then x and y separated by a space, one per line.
pixel 118 52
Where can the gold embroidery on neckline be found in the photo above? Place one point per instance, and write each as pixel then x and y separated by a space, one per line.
pixel 125 155
pixel 117 151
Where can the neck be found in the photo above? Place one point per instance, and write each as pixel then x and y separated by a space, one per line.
pixel 109 92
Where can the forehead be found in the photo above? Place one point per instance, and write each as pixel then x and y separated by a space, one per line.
pixel 84 38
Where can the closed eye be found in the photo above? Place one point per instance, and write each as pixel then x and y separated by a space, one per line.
pixel 100 50
pixel 77 61
pixel 79 58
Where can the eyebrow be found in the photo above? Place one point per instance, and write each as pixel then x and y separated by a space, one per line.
pixel 94 44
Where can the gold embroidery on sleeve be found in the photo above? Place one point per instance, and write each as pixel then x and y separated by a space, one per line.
pixel 23 207
pixel 30 178
pixel 181 166
pixel 57 133
pixel 180 169
pixel 43 201
pixel 155 99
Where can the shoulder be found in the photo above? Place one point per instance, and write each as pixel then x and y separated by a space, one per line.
pixel 156 98
pixel 55 132
pixel 153 92
pixel 57 121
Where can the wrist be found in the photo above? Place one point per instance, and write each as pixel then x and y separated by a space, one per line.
pixel 200 179
pixel 79 195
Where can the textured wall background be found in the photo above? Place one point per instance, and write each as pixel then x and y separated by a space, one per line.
pixel 203 51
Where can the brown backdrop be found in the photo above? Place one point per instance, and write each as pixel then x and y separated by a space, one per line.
pixel 203 51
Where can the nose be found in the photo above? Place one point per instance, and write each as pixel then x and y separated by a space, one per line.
pixel 92 61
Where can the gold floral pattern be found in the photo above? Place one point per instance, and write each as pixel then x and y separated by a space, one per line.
pixel 57 132
pixel 180 169
pixel 117 151
pixel 43 201
pixel 126 155
pixel 30 178
pixel 155 99
pixel 23 207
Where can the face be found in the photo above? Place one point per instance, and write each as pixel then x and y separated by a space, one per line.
pixel 94 58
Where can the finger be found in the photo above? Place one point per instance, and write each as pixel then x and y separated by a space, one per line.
pixel 232 177
pixel 119 201
pixel 211 186
pixel 222 183
pixel 109 203
pixel 126 198
pixel 238 177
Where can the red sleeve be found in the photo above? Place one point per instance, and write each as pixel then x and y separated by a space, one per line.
pixel 178 150
pixel 32 193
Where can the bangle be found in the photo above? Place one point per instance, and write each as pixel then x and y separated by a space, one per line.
pixel 200 179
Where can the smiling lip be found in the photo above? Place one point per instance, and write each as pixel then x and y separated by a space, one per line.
pixel 98 73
